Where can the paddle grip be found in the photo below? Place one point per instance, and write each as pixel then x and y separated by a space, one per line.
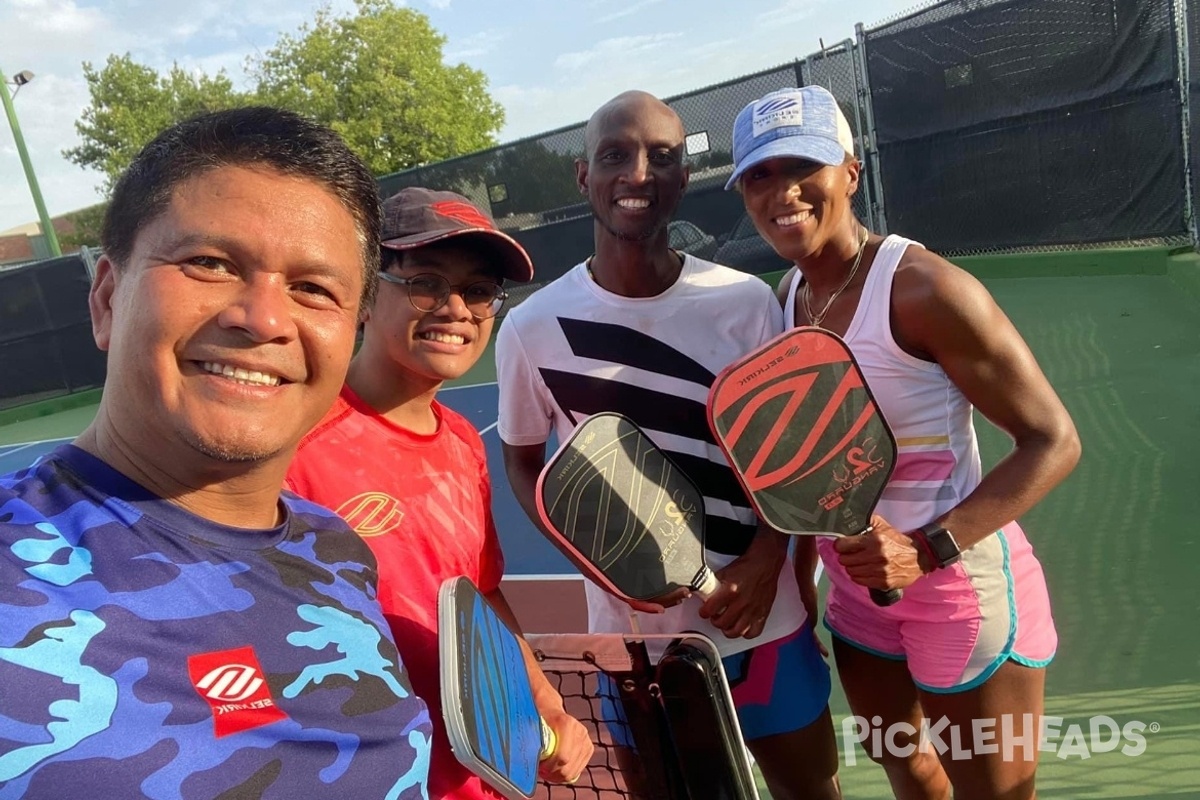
pixel 706 584
pixel 549 741
pixel 888 597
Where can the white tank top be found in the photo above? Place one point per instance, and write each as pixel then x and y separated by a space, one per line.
pixel 938 461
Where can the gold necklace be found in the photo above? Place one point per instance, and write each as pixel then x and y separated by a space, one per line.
pixel 816 319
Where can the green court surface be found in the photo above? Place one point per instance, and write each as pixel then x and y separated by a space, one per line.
pixel 1118 333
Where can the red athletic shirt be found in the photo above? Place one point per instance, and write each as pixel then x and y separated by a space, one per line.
pixel 423 505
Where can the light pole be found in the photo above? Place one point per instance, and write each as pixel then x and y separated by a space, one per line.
pixel 20 79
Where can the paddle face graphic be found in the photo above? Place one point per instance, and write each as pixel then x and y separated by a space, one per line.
pixel 491 720
pixel 803 433
pixel 623 512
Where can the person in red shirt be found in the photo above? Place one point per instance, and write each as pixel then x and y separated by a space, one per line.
pixel 409 474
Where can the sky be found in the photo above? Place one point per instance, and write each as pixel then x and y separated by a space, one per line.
pixel 550 63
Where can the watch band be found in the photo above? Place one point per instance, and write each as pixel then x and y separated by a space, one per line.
pixel 940 544
pixel 923 545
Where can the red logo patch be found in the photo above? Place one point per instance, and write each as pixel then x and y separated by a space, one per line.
pixel 233 684
pixel 464 213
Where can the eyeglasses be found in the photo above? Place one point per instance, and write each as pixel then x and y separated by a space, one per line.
pixel 429 292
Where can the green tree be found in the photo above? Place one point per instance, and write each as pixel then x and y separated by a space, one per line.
pixel 377 76
pixel 131 103
pixel 379 79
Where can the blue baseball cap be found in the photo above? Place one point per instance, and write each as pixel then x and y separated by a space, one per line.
pixel 790 123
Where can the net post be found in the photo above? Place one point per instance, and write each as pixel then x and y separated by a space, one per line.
pixel 1183 67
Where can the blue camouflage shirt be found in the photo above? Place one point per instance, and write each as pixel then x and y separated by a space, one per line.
pixel 147 652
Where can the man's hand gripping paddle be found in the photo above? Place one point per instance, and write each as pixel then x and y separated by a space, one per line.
pixel 624 513
pixel 487 701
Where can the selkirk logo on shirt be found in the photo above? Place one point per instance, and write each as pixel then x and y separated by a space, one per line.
pixel 233 683
pixel 372 513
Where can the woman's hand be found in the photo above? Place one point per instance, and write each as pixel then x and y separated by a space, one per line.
pixel 882 558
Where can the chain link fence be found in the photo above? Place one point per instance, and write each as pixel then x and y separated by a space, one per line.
pixel 836 69
pixel 1037 123
pixel 46 345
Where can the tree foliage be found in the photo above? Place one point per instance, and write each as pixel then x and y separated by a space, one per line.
pixel 131 103
pixel 377 76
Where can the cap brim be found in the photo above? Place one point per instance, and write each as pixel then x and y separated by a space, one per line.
pixel 517 264
pixel 811 148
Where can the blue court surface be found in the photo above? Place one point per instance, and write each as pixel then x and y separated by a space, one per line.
pixel 526 552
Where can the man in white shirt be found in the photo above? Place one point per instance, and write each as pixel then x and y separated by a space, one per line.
pixel 643 330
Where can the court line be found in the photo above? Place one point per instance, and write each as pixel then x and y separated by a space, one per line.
pixel 471 386
pixel 489 428
pixel 22 445
pixel 570 576
pixel 19 448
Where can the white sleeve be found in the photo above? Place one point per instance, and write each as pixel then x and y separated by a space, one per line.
pixel 525 417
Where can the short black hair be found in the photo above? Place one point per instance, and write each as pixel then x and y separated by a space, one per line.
pixel 255 136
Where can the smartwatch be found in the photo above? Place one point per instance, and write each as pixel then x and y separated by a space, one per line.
pixel 940 544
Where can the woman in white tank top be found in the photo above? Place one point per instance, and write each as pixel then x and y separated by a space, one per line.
pixel 964 651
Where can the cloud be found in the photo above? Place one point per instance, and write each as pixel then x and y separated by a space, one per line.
pixel 628 10
pixel 787 12
pixel 474 46
pixel 440 5
pixel 54 18
pixel 52 38
pixel 611 51
pixel 46 109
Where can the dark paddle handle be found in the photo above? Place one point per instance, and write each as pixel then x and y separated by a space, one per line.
pixel 886 597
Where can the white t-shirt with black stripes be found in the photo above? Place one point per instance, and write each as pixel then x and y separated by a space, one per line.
pixel 573 349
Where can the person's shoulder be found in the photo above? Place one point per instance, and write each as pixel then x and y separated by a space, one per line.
pixel 459 426
pixel 41 484
pixel 16 512
pixel 35 501
pixel 922 276
pixel 546 300
pixel 935 302
pixel 732 281
pixel 312 517
pixel 340 411
pixel 12 483
pixel 315 515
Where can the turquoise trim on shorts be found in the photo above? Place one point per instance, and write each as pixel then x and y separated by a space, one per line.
pixel 1007 652
pixel 858 646
pixel 1033 663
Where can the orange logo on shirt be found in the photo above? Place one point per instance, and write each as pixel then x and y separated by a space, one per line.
pixel 372 513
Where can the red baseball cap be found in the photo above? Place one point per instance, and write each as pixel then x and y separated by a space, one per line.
pixel 415 217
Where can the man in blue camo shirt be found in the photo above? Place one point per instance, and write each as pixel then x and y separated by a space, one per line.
pixel 171 625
